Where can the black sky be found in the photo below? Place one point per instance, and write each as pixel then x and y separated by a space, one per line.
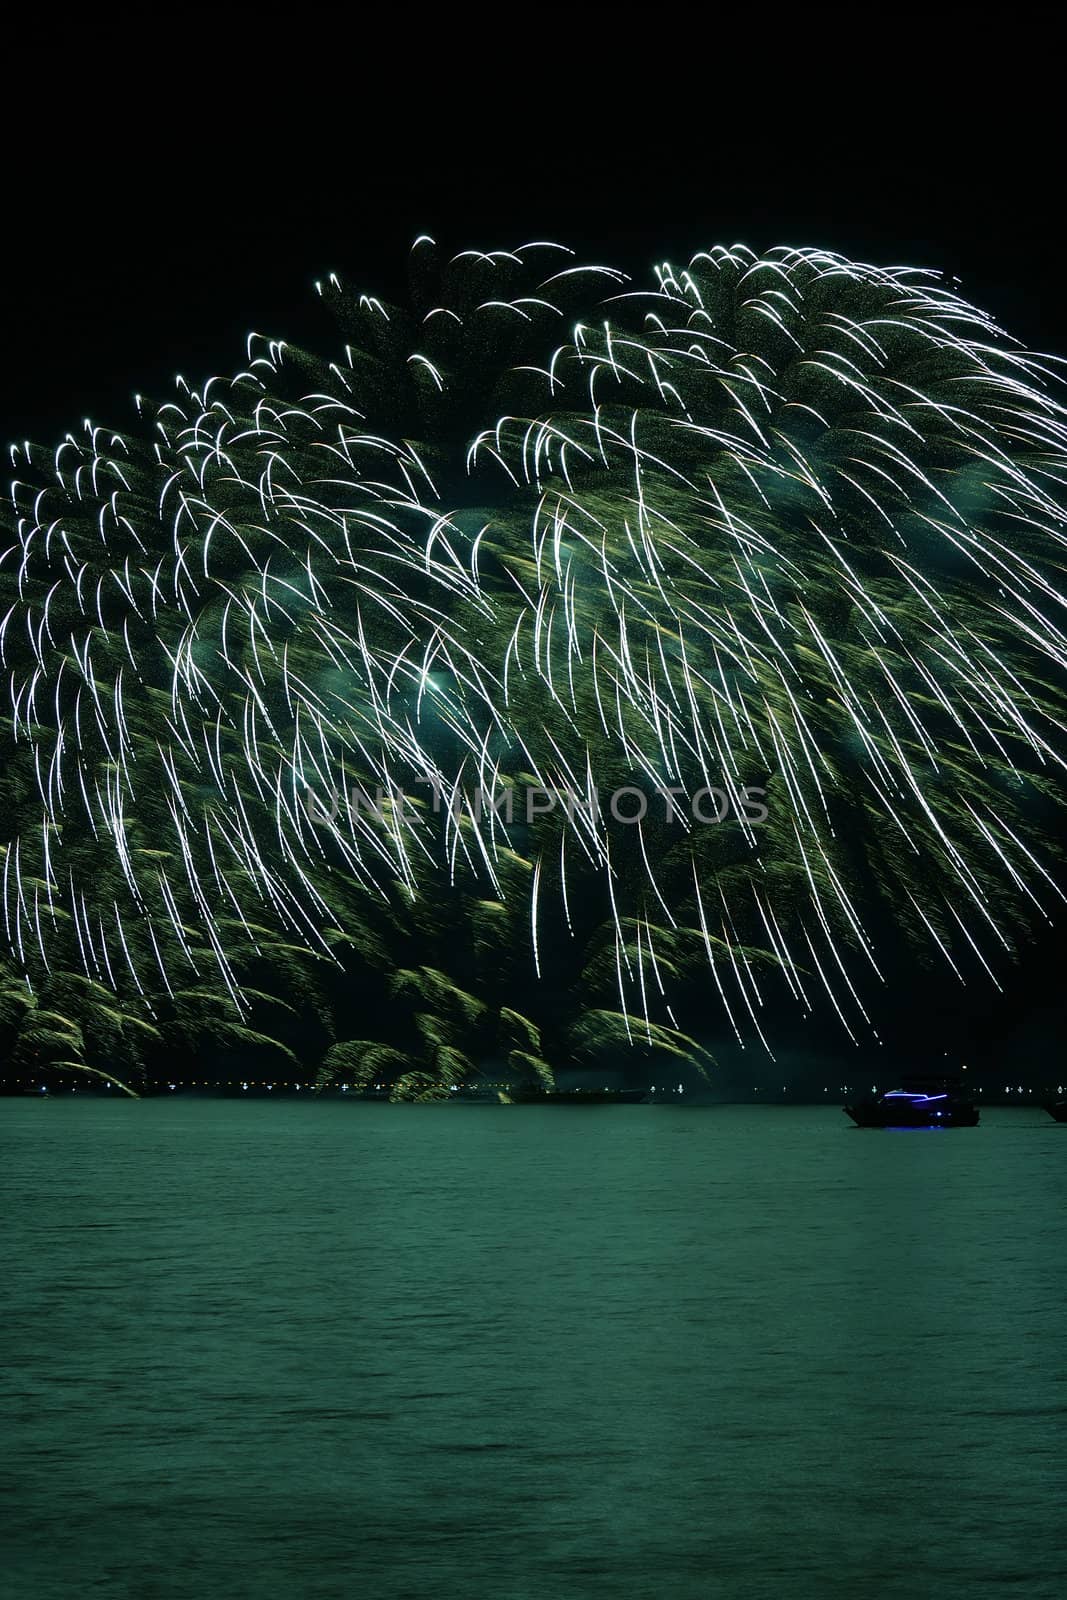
pixel 164 196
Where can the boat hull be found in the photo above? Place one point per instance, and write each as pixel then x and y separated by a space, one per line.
pixel 1058 1111
pixel 873 1114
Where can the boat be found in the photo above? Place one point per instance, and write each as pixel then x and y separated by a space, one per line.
pixel 918 1103
pixel 1058 1109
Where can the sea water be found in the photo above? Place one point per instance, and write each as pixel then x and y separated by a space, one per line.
pixel 318 1349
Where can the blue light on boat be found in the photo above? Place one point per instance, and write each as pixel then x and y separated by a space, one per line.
pixel 916 1099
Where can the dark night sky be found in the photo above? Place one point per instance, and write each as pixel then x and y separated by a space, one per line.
pixel 157 208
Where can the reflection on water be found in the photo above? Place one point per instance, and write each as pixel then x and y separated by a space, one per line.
pixel 326 1350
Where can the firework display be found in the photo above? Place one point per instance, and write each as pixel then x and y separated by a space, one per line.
pixel 348 663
